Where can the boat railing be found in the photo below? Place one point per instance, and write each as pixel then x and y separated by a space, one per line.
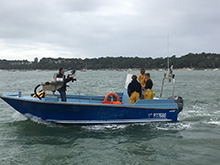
pixel 89 98
pixel 170 78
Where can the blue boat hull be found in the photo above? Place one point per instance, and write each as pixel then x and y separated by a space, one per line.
pixel 95 113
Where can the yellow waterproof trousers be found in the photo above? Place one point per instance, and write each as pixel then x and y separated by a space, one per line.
pixel 135 96
pixel 148 94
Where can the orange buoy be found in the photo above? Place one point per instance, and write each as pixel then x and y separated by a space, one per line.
pixel 112 102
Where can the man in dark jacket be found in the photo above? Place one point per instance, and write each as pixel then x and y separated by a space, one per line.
pixel 62 90
pixel 134 90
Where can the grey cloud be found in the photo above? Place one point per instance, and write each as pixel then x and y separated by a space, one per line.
pixel 94 28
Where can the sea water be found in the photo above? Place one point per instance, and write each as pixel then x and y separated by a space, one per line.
pixel 194 139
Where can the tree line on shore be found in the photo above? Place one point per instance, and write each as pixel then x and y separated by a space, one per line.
pixel 191 60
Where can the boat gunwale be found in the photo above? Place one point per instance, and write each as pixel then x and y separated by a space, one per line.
pixel 83 104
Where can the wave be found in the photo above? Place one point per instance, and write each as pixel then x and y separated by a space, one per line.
pixel 174 126
pixel 214 122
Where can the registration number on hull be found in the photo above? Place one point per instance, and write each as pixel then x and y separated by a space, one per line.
pixel 157 115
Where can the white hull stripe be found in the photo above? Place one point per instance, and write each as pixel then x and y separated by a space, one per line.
pixel 106 121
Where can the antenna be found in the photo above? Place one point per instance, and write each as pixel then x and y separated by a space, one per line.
pixel 168 52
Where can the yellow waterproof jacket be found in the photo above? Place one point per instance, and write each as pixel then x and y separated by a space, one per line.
pixel 142 80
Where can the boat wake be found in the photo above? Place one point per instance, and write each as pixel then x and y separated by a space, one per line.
pixel 105 127
pixel 18 117
pixel 40 121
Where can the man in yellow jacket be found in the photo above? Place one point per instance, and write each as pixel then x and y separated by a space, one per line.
pixel 141 78
pixel 148 93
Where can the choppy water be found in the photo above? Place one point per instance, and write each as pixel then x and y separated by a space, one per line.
pixel 195 139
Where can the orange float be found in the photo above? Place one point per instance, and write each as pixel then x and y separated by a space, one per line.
pixel 112 102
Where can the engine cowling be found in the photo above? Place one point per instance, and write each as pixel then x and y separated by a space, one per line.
pixel 179 101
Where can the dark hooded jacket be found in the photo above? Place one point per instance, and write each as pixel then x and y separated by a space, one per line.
pixel 134 86
pixel 149 84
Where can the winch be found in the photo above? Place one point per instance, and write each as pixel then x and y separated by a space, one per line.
pixel 55 84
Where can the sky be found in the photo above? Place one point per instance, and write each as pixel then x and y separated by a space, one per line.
pixel 100 28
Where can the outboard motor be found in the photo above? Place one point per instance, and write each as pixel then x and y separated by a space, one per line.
pixel 179 101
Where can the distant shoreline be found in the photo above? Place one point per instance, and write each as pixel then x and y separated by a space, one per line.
pixel 134 69
pixel 196 61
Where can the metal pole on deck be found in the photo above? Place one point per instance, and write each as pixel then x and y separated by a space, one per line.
pixel 161 90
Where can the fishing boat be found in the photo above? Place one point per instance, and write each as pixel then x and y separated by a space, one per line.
pixel 113 108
